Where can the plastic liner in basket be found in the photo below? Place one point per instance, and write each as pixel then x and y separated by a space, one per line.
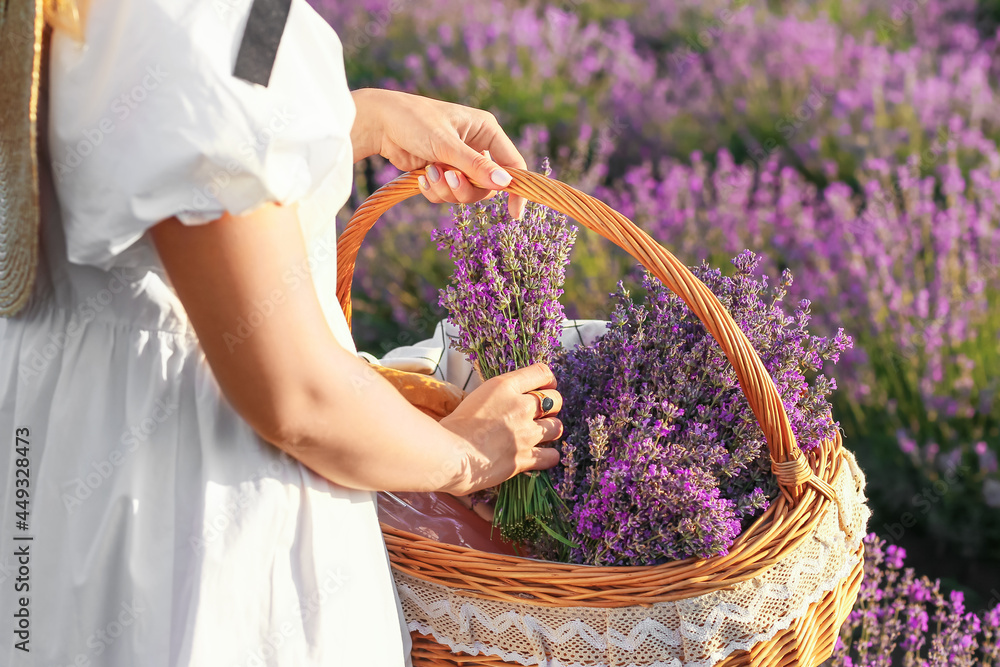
pixel 441 517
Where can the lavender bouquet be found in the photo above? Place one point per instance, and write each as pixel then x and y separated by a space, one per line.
pixel 504 299
pixel 662 457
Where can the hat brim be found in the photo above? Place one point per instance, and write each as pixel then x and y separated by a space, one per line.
pixel 21 24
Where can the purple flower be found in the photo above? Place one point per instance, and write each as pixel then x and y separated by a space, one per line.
pixel 508 276
pixel 894 557
pixel 864 159
pixel 504 299
pixel 904 620
pixel 663 458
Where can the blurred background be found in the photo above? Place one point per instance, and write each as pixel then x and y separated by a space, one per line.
pixel 851 141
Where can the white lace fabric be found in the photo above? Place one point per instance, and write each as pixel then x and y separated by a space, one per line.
pixel 695 632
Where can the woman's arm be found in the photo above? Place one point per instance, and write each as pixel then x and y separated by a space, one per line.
pixel 303 392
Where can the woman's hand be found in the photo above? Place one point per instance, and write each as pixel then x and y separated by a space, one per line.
pixel 449 139
pixel 499 420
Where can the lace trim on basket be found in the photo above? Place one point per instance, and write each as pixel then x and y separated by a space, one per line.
pixel 642 631
pixel 697 632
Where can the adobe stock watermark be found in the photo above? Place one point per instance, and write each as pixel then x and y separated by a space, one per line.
pixel 904 355
pixel 6 569
pixel 425 322
pixel 234 504
pixel 101 640
pixel 129 442
pixel 899 15
pixel 484 90
pixel 375 27
pixel 705 38
pixel 38 359
pixel 271 644
pixel 608 133
pixel 324 249
pixel 223 7
pixel 879 205
pixel 23 34
pixel 204 198
pixel 787 127
pixel 994 599
pixel 121 108
pixel 926 500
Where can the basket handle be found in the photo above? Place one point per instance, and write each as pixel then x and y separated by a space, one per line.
pixel 787 461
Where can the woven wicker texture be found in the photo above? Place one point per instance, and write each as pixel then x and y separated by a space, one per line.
pixel 696 631
pixel 789 523
pixel 20 55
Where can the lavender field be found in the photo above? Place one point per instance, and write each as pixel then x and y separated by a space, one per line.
pixel 852 142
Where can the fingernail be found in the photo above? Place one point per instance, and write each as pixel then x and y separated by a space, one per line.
pixel 433 175
pixel 423 182
pixel 500 177
pixel 452 178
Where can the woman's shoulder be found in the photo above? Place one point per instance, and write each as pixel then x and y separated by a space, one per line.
pixel 148 120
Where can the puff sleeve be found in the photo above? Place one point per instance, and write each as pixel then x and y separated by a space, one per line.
pixel 147 120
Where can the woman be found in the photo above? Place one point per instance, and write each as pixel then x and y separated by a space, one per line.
pixel 202 441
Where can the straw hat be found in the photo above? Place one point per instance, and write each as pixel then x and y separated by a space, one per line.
pixel 21 27
pixel 21 24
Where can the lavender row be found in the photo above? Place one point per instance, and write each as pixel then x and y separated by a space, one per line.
pixel 852 142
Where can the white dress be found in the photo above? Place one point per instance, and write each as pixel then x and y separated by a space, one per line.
pixel 164 531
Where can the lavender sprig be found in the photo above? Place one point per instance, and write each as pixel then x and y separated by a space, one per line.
pixel 504 299
pixel 663 458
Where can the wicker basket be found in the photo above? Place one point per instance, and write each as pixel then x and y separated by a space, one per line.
pixel 791 523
